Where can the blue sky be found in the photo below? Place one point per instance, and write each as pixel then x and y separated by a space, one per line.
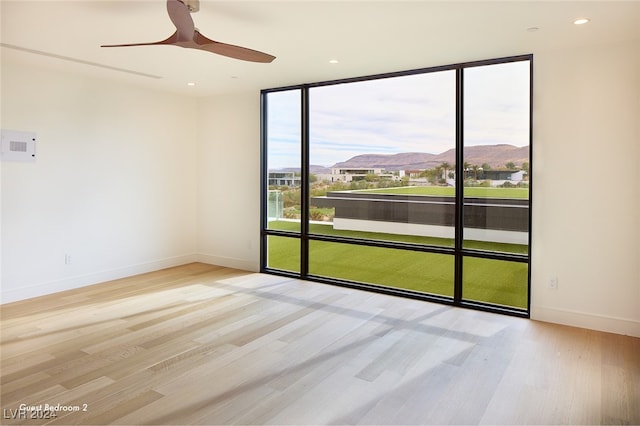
pixel 413 113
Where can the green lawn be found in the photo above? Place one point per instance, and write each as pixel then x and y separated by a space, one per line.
pixel 493 281
pixel 450 191
pixel 423 272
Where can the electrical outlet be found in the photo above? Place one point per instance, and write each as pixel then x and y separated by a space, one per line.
pixel 67 259
pixel 553 283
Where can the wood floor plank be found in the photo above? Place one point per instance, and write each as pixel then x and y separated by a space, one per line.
pixel 203 344
pixel 11 365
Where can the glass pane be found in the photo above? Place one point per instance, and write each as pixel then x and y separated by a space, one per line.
pixel 496 157
pixel 283 253
pixel 495 281
pixel 382 154
pixel 283 160
pixel 423 272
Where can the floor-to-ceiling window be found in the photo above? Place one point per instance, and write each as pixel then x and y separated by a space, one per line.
pixel 413 183
pixel 496 196
pixel 282 179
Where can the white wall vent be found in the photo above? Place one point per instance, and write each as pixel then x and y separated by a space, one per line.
pixel 18 146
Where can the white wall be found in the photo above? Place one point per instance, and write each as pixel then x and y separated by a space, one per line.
pixel 586 125
pixel 438 231
pixel 229 180
pixel 114 184
pixel 587 131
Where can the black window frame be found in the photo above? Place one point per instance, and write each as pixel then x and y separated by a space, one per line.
pixel 458 251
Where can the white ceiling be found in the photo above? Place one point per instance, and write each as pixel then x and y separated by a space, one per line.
pixel 367 37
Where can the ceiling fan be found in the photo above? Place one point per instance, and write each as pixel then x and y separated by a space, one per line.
pixel 187 35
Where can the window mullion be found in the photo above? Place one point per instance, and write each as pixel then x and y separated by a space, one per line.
pixel 459 214
pixel 304 183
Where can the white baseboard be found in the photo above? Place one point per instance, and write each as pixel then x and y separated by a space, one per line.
pixel 78 281
pixel 609 324
pixel 229 262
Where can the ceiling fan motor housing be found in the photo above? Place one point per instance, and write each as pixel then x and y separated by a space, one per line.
pixel 192 5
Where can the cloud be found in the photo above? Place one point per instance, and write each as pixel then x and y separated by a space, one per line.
pixel 413 113
pixel 497 104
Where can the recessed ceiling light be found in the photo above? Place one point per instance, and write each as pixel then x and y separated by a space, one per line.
pixel 581 21
pixel 333 61
pixel 191 84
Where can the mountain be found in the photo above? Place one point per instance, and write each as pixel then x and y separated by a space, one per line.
pixel 402 161
pixel 312 169
pixel 494 155
pixel 318 170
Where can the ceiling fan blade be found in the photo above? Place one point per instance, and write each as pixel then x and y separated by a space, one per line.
pixel 173 39
pixel 230 50
pixel 181 18
pixel 188 36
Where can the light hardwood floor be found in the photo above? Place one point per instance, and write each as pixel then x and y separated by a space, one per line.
pixel 201 344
